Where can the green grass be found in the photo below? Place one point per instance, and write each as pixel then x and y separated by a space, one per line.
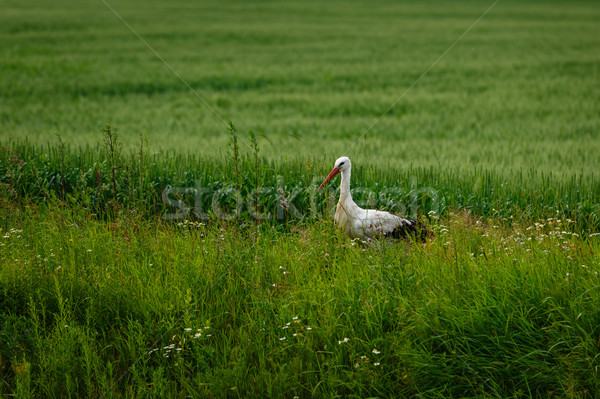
pixel 101 296
pixel 90 309
pixel 152 184
pixel 519 91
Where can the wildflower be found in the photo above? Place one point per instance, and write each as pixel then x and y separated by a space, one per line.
pixel 375 351
pixel 376 364
pixel 346 340
pixel 188 329
pixel 282 338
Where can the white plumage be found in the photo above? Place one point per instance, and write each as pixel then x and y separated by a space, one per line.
pixel 365 223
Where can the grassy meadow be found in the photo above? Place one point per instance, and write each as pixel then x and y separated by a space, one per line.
pixel 132 263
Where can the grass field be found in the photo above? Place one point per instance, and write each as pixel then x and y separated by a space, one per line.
pixel 495 147
pixel 519 91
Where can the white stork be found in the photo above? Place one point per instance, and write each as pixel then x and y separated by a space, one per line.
pixel 367 223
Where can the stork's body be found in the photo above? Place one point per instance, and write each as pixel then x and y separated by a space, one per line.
pixel 366 223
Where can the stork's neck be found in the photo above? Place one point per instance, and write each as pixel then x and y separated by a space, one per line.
pixel 345 195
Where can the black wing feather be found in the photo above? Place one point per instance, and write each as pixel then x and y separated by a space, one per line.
pixel 414 230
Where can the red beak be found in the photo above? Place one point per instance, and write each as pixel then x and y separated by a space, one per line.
pixel 330 176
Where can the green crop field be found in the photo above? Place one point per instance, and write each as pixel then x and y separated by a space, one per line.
pixel 149 249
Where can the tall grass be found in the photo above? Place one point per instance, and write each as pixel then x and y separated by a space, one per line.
pixel 501 303
pixel 149 308
pixel 153 184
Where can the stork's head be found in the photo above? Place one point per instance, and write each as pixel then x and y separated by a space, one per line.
pixel 341 164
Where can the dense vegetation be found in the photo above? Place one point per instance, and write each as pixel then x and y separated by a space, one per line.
pixel 132 264
pixel 142 308
pixel 178 186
